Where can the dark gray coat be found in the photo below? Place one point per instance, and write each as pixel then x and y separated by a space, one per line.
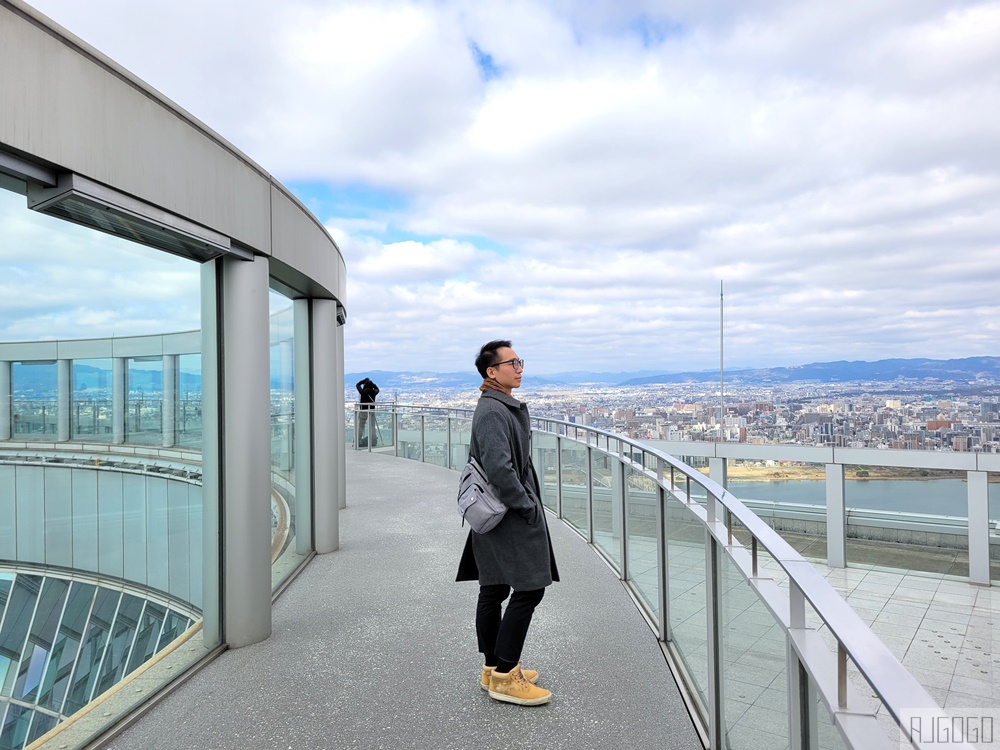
pixel 518 551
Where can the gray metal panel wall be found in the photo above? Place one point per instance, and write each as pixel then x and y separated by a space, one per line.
pixel 67 104
pixel 145 529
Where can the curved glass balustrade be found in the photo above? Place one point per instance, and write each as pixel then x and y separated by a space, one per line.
pixel 771 654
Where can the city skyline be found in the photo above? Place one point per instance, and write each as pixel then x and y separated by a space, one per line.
pixel 580 177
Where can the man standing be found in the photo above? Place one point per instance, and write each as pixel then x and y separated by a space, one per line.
pixel 517 553
pixel 367 391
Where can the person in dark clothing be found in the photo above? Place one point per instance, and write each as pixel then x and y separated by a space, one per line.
pixel 367 391
pixel 517 553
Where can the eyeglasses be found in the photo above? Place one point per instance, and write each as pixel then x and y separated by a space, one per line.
pixel 517 364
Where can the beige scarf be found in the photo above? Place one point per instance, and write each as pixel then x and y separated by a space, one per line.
pixel 491 385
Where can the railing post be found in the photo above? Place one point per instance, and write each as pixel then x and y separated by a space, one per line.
pixel 448 448
pixel 836 517
pixel 119 399
pixel 801 711
pixel 64 397
pixel 423 440
pixel 559 477
pixel 395 431
pixel 662 558
pixel 590 494
pixel 5 399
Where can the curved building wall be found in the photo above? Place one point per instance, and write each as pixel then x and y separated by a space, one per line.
pixel 112 520
pixel 82 140
pixel 69 108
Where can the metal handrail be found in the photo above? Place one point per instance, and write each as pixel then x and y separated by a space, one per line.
pixel 897 689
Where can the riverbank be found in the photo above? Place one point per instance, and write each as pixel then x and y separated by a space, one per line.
pixel 740 472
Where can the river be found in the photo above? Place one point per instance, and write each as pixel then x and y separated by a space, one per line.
pixel 946 497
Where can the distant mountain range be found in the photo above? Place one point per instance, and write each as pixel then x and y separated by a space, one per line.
pixel 969 368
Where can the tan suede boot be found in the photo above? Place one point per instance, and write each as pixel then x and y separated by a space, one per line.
pixel 531 675
pixel 512 687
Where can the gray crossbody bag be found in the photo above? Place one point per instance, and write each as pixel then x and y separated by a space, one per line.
pixel 477 500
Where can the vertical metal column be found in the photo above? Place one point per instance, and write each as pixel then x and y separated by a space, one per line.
pixel 170 389
pixel 979 527
pixel 559 477
pixel 328 415
pixel 64 398
pixel 237 339
pixel 338 393
pixel 119 398
pixel 5 400
pixel 211 455
pixel 836 517
pixel 718 469
pixel 302 426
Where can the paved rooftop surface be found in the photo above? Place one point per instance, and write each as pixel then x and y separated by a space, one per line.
pixel 374 646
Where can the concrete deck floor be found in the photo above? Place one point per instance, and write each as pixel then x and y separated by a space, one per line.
pixel 373 646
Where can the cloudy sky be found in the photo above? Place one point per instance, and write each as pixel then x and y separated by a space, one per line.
pixel 580 175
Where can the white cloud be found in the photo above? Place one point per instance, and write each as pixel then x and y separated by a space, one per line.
pixel 837 164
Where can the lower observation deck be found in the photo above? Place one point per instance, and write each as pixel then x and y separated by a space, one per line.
pixel 374 646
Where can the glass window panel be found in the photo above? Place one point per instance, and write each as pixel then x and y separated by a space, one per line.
pixel 40 637
pixel 91 412
pixel 282 379
pixel 67 645
pixel 92 652
pixel 173 626
pixel 150 625
pixel 41 724
pixel 20 608
pixel 34 389
pixel 120 647
pixel 14 732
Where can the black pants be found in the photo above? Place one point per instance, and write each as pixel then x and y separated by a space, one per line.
pixel 504 635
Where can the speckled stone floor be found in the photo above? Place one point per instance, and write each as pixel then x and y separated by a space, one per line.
pixel 373 646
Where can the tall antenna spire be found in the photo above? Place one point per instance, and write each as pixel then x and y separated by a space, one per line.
pixel 722 397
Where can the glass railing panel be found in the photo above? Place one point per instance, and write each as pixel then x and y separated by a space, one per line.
pixel 545 456
pixel 34 387
pixel 461 435
pixel 384 430
pixel 436 439
pixel 574 485
pixel 641 546
pixel 687 594
pixel 144 400
pixel 91 407
pixel 823 733
pixel 409 439
pixel 753 665
pixel 605 487
pixel 188 421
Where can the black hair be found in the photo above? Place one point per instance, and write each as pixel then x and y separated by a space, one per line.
pixel 488 355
